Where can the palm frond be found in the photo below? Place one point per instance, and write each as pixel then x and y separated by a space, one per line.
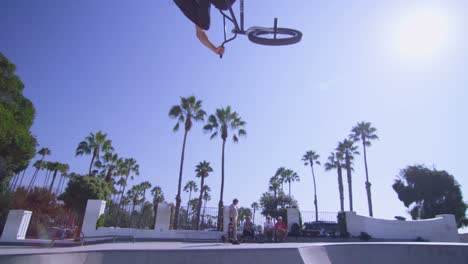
pixel 242 132
pixel 214 135
pixel 176 127
pixel 175 111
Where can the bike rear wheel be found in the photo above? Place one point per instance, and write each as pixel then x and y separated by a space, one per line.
pixel 275 37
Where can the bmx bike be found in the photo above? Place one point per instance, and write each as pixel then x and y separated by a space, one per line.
pixel 274 36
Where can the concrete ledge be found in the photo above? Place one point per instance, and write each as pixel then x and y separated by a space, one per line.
pixel 142 253
pixel 443 228
pixel 463 238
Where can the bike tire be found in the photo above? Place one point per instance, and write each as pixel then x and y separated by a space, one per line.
pixel 262 36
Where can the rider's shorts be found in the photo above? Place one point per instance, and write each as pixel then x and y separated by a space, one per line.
pixel 198 11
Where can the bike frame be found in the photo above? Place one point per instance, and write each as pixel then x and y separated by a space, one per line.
pixel 237 29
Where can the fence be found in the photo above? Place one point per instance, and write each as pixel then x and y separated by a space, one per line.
pixel 307 216
pixel 188 218
pixel 139 216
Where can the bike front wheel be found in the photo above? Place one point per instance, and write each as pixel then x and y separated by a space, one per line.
pixel 275 37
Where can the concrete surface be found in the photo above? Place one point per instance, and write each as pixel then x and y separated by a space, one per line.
pixel 284 253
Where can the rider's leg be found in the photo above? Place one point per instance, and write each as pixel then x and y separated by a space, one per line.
pixel 198 11
pixel 223 4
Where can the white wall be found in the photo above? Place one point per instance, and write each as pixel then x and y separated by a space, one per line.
pixel 95 208
pixel 443 228
pixel 16 225
pixel 293 217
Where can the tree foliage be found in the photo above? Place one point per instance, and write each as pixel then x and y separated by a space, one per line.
pixel 44 207
pixel 428 193
pixel 81 189
pixel 17 144
pixel 269 203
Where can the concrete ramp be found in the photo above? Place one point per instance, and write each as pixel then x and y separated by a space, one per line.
pixel 386 253
pixel 287 253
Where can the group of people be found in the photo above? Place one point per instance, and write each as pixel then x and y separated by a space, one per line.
pixel 273 231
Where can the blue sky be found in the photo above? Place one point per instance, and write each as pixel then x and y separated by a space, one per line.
pixel 118 66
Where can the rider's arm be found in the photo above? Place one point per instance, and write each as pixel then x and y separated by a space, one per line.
pixel 201 35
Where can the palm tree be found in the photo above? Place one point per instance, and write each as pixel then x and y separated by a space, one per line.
pixel 189 109
pixel 255 206
pixel 206 197
pixel 158 197
pixel 189 187
pixel 17 178
pixel 281 176
pixel 220 123
pixel 109 166
pixel 54 167
pixel 65 177
pixel 348 150
pixel 143 187
pixel 38 165
pixel 202 171
pixel 290 176
pixel 63 169
pixel 365 132
pixel 310 157
pixel 274 185
pixel 94 144
pixel 334 162
pixel 121 183
pixel 127 169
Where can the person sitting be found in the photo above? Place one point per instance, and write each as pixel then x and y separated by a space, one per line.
pixel 268 229
pixel 248 230
pixel 281 230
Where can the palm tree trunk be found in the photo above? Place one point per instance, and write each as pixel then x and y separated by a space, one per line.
pixel 92 161
pixel 13 181
pixel 200 201
pixel 204 210
pixel 315 192
pixel 121 198
pixel 155 209
pixel 220 204
pixel 188 208
pixel 289 185
pixel 340 186
pixel 350 188
pixel 108 177
pixel 63 185
pixel 22 177
pixel 33 179
pixel 46 179
pixel 59 184
pixel 368 184
pixel 53 180
pixel 179 186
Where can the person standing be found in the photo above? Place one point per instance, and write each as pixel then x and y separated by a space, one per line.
pixel 233 214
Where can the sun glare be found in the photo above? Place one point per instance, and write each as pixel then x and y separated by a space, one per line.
pixel 422 33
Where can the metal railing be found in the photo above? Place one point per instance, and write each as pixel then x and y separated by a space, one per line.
pixel 129 216
pixel 188 218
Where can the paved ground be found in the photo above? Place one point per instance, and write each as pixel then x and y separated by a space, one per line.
pixel 284 253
